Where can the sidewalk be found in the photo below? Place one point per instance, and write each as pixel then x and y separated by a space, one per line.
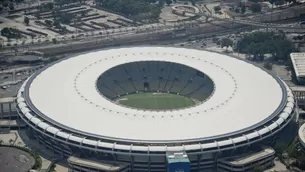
pixel 15 69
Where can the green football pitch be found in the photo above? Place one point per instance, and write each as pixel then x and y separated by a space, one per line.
pixel 155 101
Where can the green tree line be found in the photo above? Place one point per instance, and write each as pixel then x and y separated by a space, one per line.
pixel 136 9
pixel 258 44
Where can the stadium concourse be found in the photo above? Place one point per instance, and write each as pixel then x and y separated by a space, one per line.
pixel 77 107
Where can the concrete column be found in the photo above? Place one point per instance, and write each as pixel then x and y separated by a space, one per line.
pixel 10 109
pixel 199 161
pixel 15 105
pixel 215 160
pixel 9 112
pixel 14 76
pixel 149 163
pixel 1 109
pixel 132 161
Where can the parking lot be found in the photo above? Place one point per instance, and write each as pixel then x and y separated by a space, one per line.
pixel 6 78
pixel 10 91
pixel 10 82
pixel 15 160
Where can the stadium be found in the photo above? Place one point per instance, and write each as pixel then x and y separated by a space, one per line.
pixel 144 107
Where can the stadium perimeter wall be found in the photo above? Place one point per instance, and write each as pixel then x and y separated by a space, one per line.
pixel 201 159
pixel 301 135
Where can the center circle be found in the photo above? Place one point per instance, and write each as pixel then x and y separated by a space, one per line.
pixel 155 85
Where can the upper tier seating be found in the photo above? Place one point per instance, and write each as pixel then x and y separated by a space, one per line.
pixel 158 76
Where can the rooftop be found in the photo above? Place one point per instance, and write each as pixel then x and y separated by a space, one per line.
pixel 27 58
pixel 249 157
pixel 7 100
pixel 298 62
pixel 95 164
pixel 177 157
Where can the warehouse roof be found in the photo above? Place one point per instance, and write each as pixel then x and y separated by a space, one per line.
pixel 298 62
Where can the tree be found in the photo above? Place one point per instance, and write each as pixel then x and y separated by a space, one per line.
pixel 243 9
pixel 226 42
pixel 193 2
pixel 48 22
pixel 56 24
pixel 142 10
pixel 26 20
pixel 83 13
pixel 207 18
pixel 282 49
pixel 66 18
pixel 5 4
pixel 291 1
pixel 10 33
pixel 268 66
pixel 237 10
pixel 272 2
pixel 279 2
pixel 11 6
pixel 11 141
pixel 49 6
pixel 258 168
pixel 54 40
pixel 280 147
pixel 168 2
pixel 5 31
pixel 256 8
pixel 260 43
pixel 217 8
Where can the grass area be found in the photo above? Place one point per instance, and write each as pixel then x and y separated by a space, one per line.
pixel 155 101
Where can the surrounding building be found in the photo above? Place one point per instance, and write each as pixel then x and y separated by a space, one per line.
pixel 9 118
pixel 301 136
pixel 261 159
pixel 298 63
pixel 86 165
pixel 177 162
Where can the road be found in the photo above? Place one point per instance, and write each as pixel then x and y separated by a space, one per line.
pixel 149 28
pixel 12 79
pixel 106 33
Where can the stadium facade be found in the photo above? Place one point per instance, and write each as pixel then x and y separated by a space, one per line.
pixel 65 109
pixel 301 136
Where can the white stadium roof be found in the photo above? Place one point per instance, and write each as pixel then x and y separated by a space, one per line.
pixel 244 96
